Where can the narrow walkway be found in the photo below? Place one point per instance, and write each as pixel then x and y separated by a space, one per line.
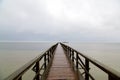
pixel 61 68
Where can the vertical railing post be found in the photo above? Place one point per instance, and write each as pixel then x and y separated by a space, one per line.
pixel 76 60
pixel 67 49
pixel 50 51
pixel 70 53
pixel 87 69
pixel 45 61
pixel 20 78
pixel 72 56
pixel 37 70
pixel 111 78
pixel 48 56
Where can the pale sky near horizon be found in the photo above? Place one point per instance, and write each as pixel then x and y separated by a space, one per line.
pixel 60 20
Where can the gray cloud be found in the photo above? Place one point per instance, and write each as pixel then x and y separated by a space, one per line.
pixel 78 20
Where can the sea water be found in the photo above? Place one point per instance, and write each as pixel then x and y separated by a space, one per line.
pixel 106 53
pixel 13 55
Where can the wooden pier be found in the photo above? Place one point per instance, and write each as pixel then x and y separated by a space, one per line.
pixel 61 62
pixel 61 68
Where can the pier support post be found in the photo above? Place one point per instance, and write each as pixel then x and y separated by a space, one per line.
pixel 87 68
pixel 20 78
pixel 70 53
pixel 45 61
pixel 37 70
pixel 111 78
pixel 76 60
pixel 48 56
pixel 72 56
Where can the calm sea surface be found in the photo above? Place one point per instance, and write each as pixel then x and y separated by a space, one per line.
pixel 13 55
pixel 107 53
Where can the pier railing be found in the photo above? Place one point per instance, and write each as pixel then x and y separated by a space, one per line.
pixel 41 65
pixel 77 61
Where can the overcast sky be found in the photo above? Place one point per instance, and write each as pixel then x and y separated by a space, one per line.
pixel 60 20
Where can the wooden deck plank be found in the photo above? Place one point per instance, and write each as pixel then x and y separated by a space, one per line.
pixel 61 68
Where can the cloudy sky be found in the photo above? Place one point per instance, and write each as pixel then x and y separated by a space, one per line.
pixel 60 20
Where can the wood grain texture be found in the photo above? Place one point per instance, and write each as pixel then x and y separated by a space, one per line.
pixel 61 68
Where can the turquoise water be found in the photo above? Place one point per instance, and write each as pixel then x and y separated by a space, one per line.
pixel 13 55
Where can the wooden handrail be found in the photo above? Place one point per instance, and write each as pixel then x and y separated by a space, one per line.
pixel 74 56
pixel 112 74
pixel 17 75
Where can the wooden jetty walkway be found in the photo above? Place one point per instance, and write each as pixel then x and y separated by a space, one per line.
pixel 61 62
pixel 61 68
